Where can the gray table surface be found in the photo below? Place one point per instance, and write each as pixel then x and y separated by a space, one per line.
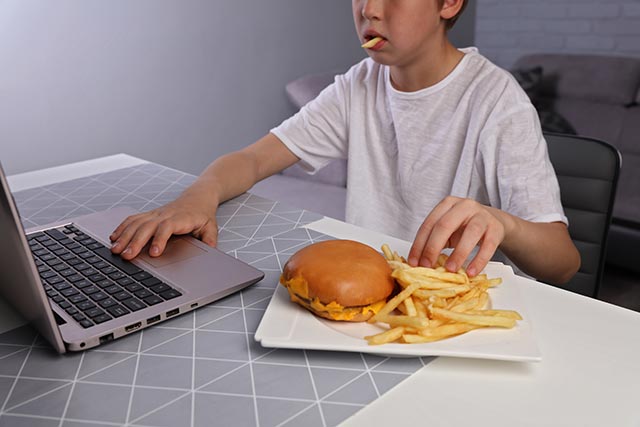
pixel 200 369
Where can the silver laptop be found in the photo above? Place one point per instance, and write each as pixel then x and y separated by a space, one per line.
pixel 64 280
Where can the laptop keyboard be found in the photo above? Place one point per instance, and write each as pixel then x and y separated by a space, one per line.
pixel 86 280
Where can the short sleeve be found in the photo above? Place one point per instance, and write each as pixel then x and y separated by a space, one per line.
pixel 318 132
pixel 520 177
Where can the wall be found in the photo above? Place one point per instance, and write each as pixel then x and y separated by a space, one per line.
pixel 178 82
pixel 508 29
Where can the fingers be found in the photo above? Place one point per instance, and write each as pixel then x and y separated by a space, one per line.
pixel 418 254
pixel 461 223
pixel 209 233
pixel 472 234
pixel 123 225
pixel 488 247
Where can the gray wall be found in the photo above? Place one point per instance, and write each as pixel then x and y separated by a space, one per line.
pixel 178 82
pixel 508 29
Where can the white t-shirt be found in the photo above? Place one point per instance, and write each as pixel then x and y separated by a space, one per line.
pixel 475 134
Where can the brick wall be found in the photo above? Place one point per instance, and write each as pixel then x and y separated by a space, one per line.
pixel 508 29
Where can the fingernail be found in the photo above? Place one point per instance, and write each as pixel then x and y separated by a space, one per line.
pixel 116 245
pixel 154 250
pixel 471 271
pixel 450 265
pixel 413 261
pixel 126 251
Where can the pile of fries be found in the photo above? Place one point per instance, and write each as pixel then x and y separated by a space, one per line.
pixel 435 304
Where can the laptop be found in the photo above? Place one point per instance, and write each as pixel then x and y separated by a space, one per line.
pixel 64 280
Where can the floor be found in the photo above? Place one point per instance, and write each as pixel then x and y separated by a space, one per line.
pixel 621 287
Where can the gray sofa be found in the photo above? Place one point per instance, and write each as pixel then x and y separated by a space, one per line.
pixel 598 95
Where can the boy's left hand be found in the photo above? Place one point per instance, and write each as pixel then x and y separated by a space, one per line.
pixel 460 224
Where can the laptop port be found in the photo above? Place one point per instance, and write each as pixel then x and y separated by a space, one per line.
pixel 133 327
pixel 106 338
pixel 153 319
pixel 173 312
pixel 194 305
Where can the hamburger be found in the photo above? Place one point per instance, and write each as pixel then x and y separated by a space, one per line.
pixel 339 280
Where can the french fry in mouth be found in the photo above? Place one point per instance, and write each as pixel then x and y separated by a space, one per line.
pixel 371 43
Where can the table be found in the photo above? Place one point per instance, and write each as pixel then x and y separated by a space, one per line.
pixel 589 374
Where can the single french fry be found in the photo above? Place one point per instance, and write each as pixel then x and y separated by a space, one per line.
pixel 436 273
pixel 483 300
pixel 473 319
pixel 510 314
pixel 406 277
pixel 410 306
pixel 395 301
pixel 386 336
pixel 443 293
pixel 420 308
pixel 442 259
pixel 478 278
pixel 410 321
pixel 371 43
pixel 466 305
pixel 386 250
pixel 398 265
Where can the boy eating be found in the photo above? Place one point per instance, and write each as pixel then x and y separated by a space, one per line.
pixel 443 148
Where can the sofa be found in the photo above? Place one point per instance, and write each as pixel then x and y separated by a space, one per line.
pixel 598 96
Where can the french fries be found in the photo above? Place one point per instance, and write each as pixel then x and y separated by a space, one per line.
pixel 435 304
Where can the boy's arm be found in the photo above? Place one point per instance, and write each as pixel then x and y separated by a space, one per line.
pixel 542 250
pixel 194 211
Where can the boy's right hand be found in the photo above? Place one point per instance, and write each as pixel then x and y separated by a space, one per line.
pixel 178 217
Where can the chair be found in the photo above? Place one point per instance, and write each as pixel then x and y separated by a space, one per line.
pixel 587 171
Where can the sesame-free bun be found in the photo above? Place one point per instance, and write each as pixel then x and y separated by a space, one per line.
pixel 338 279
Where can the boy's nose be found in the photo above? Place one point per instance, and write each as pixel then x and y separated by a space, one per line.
pixel 371 9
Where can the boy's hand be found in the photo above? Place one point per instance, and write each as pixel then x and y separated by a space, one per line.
pixel 178 217
pixel 460 224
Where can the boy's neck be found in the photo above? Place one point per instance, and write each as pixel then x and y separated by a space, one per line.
pixel 432 67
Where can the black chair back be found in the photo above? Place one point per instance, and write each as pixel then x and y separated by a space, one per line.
pixel 587 171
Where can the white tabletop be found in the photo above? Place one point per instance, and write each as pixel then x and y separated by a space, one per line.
pixel 589 374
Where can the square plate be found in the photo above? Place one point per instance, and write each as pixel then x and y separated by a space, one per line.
pixel 287 325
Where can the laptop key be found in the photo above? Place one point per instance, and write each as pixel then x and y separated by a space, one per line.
pixel 114 289
pixel 121 296
pixel 76 299
pixel 134 287
pixel 117 311
pixel 64 304
pixel 69 292
pixel 101 319
pixel 108 302
pixel 170 294
pixel 153 300
pixel 56 234
pixel 81 284
pixel 54 280
pixel 160 288
pixel 71 310
pixel 75 278
pixel 86 323
pixel 134 304
pixel 143 293
pixel 79 317
pixel 98 296
pixel 105 283
pixel 143 275
pixel 85 305
pixel 93 312
pixel 90 289
pixel 152 281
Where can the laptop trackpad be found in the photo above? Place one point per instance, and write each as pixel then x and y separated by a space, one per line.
pixel 177 250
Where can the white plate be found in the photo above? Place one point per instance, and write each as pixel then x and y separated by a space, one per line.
pixel 287 325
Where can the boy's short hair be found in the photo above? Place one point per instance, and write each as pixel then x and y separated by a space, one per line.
pixel 451 21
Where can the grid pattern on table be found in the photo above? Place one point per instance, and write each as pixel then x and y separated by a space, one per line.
pixel 204 367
